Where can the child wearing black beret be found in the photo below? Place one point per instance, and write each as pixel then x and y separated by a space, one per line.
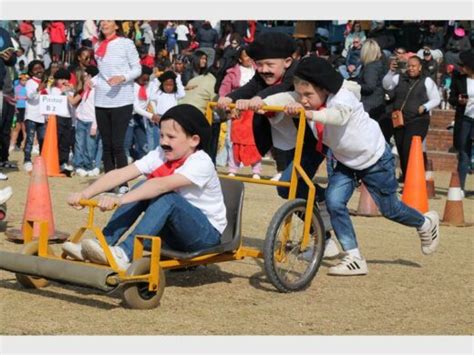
pixel 360 153
pixel 181 199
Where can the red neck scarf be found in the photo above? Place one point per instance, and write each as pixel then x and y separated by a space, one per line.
pixel 102 49
pixel 142 93
pixel 167 168
pixel 38 81
pixel 319 131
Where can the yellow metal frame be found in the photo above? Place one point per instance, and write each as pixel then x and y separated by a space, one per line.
pixel 155 259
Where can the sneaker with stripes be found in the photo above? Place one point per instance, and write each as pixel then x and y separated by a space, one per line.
pixel 349 266
pixel 429 234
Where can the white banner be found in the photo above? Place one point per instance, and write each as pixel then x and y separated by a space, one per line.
pixel 54 105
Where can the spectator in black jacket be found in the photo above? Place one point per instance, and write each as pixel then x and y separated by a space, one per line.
pixel 461 97
pixel 430 65
pixel 434 38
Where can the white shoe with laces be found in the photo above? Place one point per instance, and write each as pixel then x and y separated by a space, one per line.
pixel 91 250
pixel 429 236
pixel 93 172
pixel 73 250
pixel 276 177
pixel 231 174
pixel 349 266
pixel 256 176
pixel 5 194
pixel 81 172
pixel 28 166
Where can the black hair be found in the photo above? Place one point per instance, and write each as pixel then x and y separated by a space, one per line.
pixel 146 70
pixel 119 30
pixel 32 64
pixel 166 76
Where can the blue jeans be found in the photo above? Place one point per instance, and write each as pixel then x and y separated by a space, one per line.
pixel 310 161
pixel 180 225
pixel 152 135
pixel 85 146
pixel 466 135
pixel 382 185
pixel 136 142
pixel 33 128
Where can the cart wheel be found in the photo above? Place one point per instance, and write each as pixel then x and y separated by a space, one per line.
pixel 32 281
pixel 289 268
pixel 136 295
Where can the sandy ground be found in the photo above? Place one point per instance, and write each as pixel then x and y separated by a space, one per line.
pixel 405 292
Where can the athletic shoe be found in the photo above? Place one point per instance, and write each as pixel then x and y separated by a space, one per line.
pixel 3 176
pixel 35 150
pixel 28 166
pixel 93 172
pixel 91 250
pixel 429 236
pixel 331 250
pixel 231 174
pixel 73 250
pixel 349 266
pixel 122 190
pixel 256 176
pixel 66 167
pixel 5 194
pixel 81 172
pixel 276 177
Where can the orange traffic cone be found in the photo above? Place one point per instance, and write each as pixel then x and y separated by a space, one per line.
pixel 453 211
pixel 50 148
pixel 430 185
pixel 367 206
pixel 414 189
pixel 38 204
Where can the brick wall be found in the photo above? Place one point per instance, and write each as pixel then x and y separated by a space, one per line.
pixel 439 140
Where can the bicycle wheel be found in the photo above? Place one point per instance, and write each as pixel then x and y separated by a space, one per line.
pixel 287 266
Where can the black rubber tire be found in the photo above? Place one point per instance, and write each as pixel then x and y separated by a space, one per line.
pixel 271 245
pixel 28 281
pixel 136 295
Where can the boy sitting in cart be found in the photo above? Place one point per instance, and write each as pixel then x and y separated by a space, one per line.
pixel 359 153
pixel 181 198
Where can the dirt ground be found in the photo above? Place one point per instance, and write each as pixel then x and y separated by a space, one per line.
pixel 405 292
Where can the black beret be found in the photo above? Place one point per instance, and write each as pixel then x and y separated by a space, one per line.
pixel 62 74
pixel 167 75
pixel 319 72
pixel 467 58
pixel 271 45
pixel 193 122
pixel 146 70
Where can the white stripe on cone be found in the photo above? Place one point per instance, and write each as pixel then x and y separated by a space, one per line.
pixel 454 194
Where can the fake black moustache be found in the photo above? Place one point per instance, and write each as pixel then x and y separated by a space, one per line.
pixel 165 147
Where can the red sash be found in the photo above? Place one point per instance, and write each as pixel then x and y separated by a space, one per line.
pixel 319 131
pixel 142 93
pixel 167 168
pixel 38 81
pixel 102 49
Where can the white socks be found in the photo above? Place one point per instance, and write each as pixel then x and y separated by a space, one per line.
pixel 354 252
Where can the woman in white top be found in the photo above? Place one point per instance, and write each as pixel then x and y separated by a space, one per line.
pixel 119 65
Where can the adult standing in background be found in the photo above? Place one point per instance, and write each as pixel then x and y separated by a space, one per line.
pixel 119 65
pixel 208 39
pixel 57 34
pixel 370 81
pixel 461 97
pixel 415 95
pixel 89 33
pixel 27 33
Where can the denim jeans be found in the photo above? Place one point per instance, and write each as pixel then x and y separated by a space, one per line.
pixel 382 185
pixel 98 151
pixel 84 147
pixel 152 135
pixel 181 225
pixel 136 141
pixel 31 128
pixel 310 161
pixel 466 135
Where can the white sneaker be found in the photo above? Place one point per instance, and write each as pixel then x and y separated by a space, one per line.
pixel 276 177
pixel 91 250
pixel 5 194
pixel 28 166
pixel 3 176
pixel 93 172
pixel 331 250
pixel 230 174
pixel 349 266
pixel 66 167
pixel 73 250
pixel 122 190
pixel 35 150
pixel 81 172
pixel 430 236
pixel 256 176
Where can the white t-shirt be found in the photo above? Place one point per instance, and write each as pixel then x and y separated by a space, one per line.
pixel 205 192
pixel 181 32
pixel 470 102
pixel 357 144
pixel 85 111
pixel 32 108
